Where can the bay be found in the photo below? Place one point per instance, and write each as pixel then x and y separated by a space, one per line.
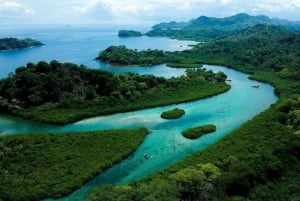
pixel 80 44
pixel 165 145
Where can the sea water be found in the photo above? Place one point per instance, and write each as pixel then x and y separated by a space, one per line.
pixel 164 145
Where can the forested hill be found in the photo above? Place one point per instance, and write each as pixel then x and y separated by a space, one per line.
pixel 262 49
pixel 14 43
pixel 204 28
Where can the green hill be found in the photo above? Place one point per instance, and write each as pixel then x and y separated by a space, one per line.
pixel 204 28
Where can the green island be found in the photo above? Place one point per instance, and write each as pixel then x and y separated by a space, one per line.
pixel 129 33
pixel 38 166
pixel 61 93
pixel 196 132
pixel 175 113
pixel 122 56
pixel 14 43
pixel 257 161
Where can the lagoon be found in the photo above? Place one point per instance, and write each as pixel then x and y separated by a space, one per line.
pixel 165 145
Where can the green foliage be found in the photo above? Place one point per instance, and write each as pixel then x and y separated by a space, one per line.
pixel 259 160
pixel 14 43
pixel 184 65
pixel 195 133
pixel 191 183
pixel 175 113
pixel 33 167
pixel 268 52
pixel 287 188
pixel 207 28
pixel 129 33
pixel 61 93
pixel 120 55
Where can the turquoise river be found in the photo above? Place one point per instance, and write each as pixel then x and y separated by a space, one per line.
pixel 165 144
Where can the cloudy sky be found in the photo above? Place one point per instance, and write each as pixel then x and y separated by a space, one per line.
pixel 137 11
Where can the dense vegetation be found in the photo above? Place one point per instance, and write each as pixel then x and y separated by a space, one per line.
pixel 196 132
pixel 14 43
pixel 175 113
pixel 252 163
pixel 205 28
pixel 61 93
pixel 268 52
pixel 259 160
pixel 120 55
pixel 33 167
pixel 129 33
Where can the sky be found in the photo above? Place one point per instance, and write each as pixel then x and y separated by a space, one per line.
pixel 137 11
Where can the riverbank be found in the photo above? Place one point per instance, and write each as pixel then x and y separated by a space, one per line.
pixel 38 166
pixel 257 157
pixel 55 99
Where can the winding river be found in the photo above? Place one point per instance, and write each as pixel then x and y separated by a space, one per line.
pixel 165 145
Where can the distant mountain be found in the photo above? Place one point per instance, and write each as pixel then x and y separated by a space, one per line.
pixel 204 28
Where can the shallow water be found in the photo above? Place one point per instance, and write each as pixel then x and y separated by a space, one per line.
pixel 165 145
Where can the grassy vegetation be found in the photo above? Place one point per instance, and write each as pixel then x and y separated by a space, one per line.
pixel 14 43
pixel 60 93
pixel 175 113
pixel 33 167
pixel 195 133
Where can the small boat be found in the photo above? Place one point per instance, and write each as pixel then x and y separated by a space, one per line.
pixel 229 80
pixel 255 85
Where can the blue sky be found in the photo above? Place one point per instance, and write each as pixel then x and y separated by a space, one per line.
pixel 137 11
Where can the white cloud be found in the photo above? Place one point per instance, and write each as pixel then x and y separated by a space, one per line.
pixel 136 11
pixel 13 7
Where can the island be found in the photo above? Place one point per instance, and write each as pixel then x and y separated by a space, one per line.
pixel 62 93
pixel 175 113
pixel 122 56
pixel 129 33
pixel 196 132
pixel 14 43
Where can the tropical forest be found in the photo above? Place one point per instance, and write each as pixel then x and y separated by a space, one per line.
pixel 256 160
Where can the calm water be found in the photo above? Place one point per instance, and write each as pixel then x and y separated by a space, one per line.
pixel 165 144
pixel 80 44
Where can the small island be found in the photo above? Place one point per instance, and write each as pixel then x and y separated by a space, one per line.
pixel 14 43
pixel 197 132
pixel 122 56
pixel 173 114
pixel 129 33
